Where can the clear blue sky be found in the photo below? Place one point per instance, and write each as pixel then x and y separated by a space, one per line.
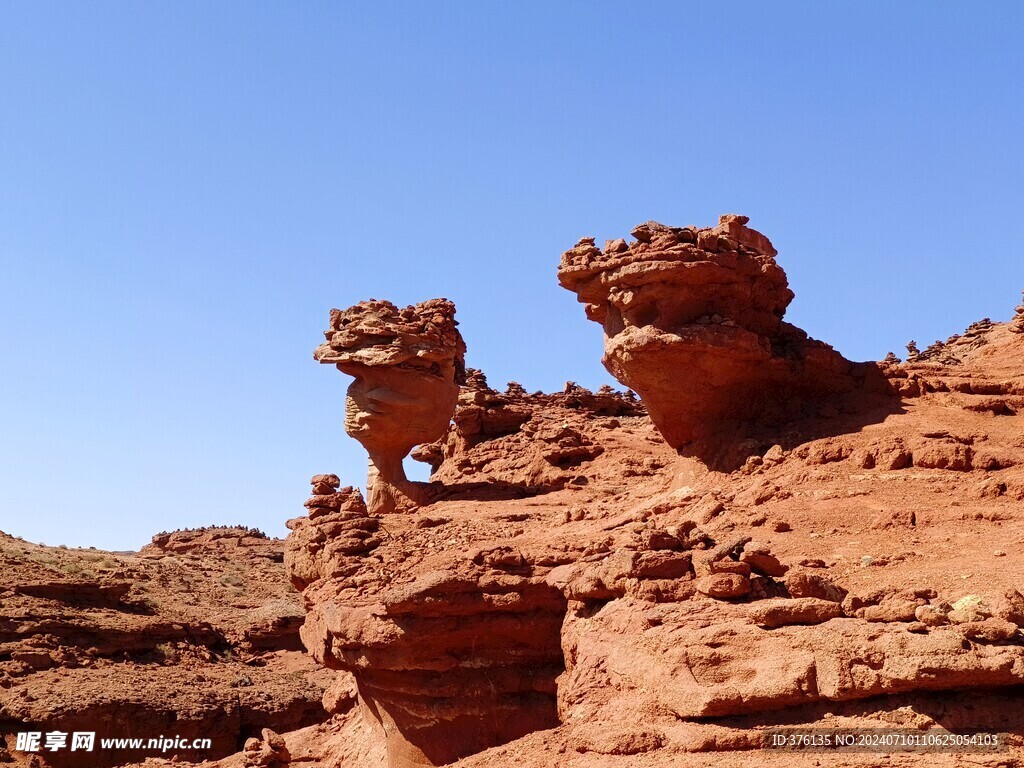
pixel 186 188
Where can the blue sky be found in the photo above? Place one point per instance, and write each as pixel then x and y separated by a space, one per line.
pixel 186 189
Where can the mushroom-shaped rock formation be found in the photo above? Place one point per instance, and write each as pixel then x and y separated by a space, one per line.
pixel 408 365
pixel 693 323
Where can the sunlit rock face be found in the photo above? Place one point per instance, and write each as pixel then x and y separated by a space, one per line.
pixel 693 323
pixel 448 656
pixel 407 366
pixel 578 591
pixel 460 658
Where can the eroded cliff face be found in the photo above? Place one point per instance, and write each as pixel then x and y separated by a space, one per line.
pixel 584 585
pixel 453 637
pixel 693 322
pixel 638 603
pixel 195 636
pixel 515 443
pixel 586 581
pixel 446 662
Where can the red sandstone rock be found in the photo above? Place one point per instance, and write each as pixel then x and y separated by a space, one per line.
pixel 803 584
pixel 533 442
pixel 761 560
pixel 407 364
pixel 618 551
pixel 197 636
pixel 542 607
pixel 1017 324
pixel 724 585
pixel 553 583
pixel 270 751
pixel 696 329
pixel 803 610
pixel 989 630
pixel 198 540
pixel 934 615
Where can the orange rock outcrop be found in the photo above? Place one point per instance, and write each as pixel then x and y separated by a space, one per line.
pixel 692 321
pixel 771 537
pixel 407 366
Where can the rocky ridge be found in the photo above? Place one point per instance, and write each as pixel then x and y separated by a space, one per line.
pixel 197 635
pixel 589 586
pixel 704 602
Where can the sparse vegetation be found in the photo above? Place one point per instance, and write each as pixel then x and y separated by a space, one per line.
pixel 231 579
pixel 166 653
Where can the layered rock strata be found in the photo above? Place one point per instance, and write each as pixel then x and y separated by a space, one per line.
pixel 196 636
pixel 575 591
pixel 523 442
pixel 447 663
pixel 407 365
pixel 693 323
